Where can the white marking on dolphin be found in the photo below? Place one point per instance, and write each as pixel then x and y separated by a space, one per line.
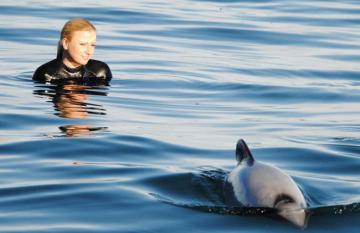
pixel 255 184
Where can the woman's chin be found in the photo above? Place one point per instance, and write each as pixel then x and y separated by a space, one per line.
pixel 85 62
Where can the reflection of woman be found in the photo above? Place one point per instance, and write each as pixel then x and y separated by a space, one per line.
pixel 71 101
pixel 73 62
pixel 77 130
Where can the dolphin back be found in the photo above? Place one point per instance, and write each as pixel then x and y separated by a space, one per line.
pixel 243 153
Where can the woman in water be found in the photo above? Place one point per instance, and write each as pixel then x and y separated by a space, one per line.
pixel 73 62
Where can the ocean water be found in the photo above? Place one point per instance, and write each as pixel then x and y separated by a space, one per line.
pixel 150 152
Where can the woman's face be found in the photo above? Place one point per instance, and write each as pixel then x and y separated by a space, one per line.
pixel 79 49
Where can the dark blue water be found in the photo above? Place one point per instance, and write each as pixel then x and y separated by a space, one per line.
pixel 150 152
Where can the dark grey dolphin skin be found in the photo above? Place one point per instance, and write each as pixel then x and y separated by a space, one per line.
pixel 255 184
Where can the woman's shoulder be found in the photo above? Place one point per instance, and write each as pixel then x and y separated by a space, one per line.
pixel 47 69
pixel 99 69
pixel 97 64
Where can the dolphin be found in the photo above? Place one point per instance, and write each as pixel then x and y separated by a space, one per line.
pixel 255 184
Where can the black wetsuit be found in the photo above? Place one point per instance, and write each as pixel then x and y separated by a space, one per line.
pixel 94 72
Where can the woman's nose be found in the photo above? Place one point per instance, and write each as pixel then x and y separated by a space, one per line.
pixel 89 49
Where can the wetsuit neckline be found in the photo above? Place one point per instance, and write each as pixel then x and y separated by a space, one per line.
pixel 73 70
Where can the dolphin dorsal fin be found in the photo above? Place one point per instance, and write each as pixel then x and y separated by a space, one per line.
pixel 243 154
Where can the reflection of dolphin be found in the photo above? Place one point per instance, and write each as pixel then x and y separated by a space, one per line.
pixel 255 184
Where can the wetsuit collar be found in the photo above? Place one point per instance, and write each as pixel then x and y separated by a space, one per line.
pixel 74 70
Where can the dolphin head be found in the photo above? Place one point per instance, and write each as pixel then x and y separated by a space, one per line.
pixel 256 184
pixel 292 209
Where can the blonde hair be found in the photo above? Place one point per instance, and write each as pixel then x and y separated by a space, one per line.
pixel 71 26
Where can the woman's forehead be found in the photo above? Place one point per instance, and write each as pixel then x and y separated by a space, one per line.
pixel 84 35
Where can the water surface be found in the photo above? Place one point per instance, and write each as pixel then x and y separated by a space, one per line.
pixel 150 152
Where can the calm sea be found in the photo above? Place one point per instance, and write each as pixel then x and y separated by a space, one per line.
pixel 150 152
